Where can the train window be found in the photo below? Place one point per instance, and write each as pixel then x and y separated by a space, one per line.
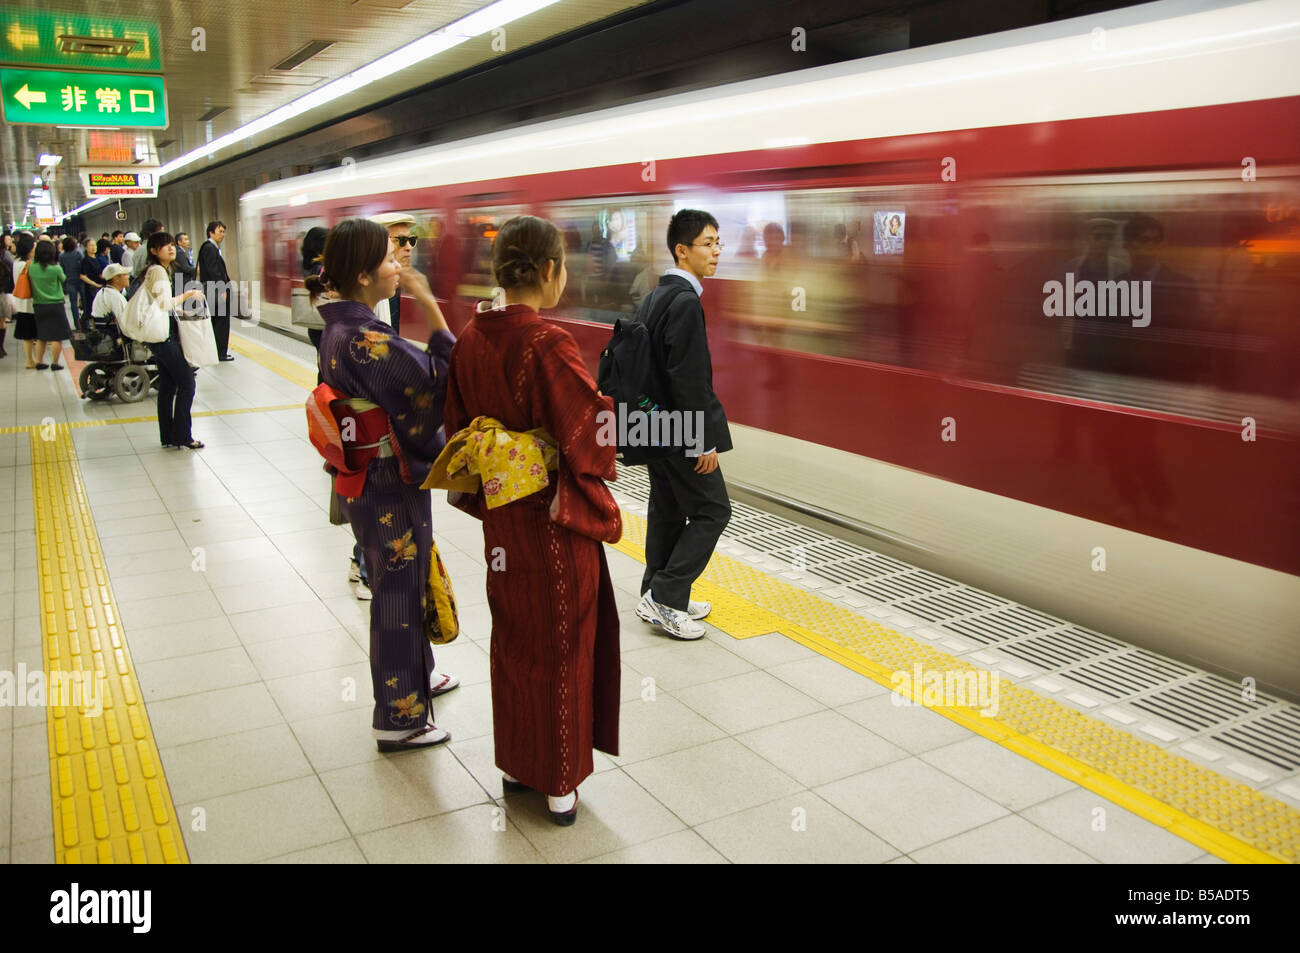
pixel 615 252
pixel 1151 292
pixel 293 236
pixel 477 228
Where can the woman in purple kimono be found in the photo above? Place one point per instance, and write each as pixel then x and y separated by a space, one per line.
pixel 400 431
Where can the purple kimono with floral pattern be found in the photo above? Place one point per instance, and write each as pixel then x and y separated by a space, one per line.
pixel 360 356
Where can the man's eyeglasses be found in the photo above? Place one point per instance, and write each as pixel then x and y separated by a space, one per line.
pixel 403 240
pixel 709 244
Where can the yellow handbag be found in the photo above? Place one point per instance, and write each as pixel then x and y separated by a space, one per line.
pixel 440 622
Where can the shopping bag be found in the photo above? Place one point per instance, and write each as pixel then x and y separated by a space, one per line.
pixel 197 341
pixel 145 320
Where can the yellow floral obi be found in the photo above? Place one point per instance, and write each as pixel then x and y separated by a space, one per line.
pixel 507 464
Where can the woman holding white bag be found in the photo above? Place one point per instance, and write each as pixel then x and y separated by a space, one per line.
pixel 157 320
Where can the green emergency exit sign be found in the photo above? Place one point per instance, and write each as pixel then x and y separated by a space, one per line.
pixel 79 40
pixel 58 98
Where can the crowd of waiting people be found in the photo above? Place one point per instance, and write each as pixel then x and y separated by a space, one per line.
pixel 505 419
pixel 46 278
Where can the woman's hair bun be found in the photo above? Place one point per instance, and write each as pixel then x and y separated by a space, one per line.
pixel 523 246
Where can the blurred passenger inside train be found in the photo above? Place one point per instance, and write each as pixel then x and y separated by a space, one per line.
pixel 1099 261
pixel 645 279
pixel 518 383
pixel 600 261
pixel 393 392
pixel 748 242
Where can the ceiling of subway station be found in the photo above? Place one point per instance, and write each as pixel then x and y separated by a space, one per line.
pixel 235 71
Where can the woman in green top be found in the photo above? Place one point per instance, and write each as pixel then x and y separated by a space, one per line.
pixel 48 281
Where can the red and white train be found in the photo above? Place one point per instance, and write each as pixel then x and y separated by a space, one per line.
pixel 881 328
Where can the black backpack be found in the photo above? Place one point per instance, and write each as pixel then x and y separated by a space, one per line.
pixel 6 276
pixel 630 373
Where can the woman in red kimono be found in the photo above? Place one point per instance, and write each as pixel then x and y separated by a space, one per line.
pixel 554 650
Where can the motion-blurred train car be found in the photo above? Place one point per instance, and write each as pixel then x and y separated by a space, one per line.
pixel 1022 309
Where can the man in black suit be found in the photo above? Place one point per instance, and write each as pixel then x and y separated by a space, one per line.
pixel 216 281
pixel 183 263
pixel 689 507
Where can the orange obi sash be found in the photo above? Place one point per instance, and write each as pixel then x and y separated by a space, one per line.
pixel 348 432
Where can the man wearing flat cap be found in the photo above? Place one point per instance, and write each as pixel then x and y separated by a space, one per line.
pixel 399 230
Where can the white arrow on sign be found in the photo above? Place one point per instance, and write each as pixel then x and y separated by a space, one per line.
pixel 27 96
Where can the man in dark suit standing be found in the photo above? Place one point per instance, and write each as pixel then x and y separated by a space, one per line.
pixel 689 507
pixel 182 262
pixel 216 281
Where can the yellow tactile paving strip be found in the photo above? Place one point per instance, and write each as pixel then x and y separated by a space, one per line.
pixel 110 799
pixel 1222 816
pixel 272 360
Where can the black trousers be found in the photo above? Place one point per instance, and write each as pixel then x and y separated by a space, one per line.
pixel 221 328
pixel 688 512
pixel 175 390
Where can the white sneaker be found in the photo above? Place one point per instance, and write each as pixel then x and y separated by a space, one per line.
pixel 677 623
pixel 363 591
pixel 645 610
pixel 354 571
pixel 698 610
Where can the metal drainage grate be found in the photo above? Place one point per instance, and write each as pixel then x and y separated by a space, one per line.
pixel 1200 703
pixel 1069 646
pixel 1273 737
pixel 1129 673
pixel 1003 625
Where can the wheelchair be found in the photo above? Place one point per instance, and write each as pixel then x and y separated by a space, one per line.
pixel 116 365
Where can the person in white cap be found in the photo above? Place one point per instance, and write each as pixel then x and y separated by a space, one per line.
pixel 109 301
pixel 399 230
pixel 132 243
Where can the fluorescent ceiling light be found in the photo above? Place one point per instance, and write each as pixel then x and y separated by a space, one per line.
pixel 47 159
pixel 477 23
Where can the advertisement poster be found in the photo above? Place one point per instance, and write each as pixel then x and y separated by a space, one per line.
pixel 887 232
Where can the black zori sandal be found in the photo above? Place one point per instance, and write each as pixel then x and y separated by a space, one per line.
pixel 192 445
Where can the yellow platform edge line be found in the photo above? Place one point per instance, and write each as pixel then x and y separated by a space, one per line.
pixel 1208 837
pixel 286 367
pixel 109 796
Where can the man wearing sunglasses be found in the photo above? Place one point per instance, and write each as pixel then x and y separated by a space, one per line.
pixel 399 230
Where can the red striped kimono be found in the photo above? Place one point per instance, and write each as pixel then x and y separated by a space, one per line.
pixel 555 658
